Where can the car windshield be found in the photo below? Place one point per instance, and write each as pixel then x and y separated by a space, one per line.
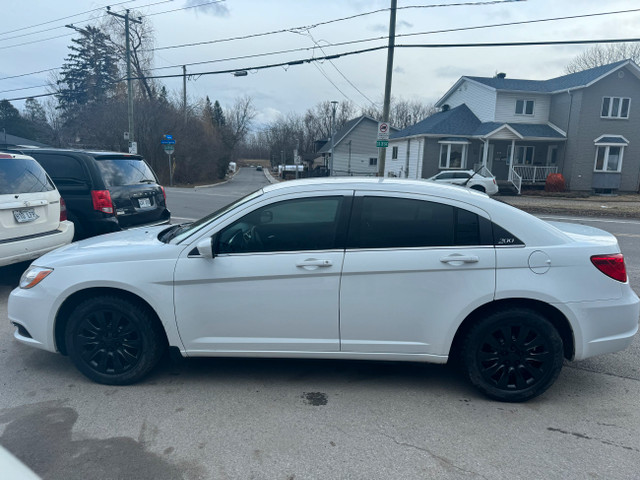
pixel 125 171
pixel 190 229
pixel 23 175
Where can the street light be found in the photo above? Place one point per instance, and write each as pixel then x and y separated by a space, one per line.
pixel 332 123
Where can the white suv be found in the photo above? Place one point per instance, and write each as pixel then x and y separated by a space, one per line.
pixel 480 181
pixel 33 216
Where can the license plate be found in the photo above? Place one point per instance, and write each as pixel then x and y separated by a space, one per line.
pixel 25 215
pixel 144 202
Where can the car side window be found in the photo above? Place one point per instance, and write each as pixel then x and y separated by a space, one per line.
pixel 385 222
pixel 63 169
pixel 290 225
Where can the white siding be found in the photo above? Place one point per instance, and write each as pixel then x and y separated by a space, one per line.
pixel 506 108
pixel 480 100
pixel 411 147
pixel 363 147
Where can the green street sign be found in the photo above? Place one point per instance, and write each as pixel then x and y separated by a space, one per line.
pixel 382 143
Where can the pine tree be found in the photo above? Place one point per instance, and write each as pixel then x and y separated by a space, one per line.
pixel 218 115
pixel 89 74
pixel 207 112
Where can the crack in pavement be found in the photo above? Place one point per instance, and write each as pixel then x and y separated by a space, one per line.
pixel 445 462
pixel 587 437
pixel 602 373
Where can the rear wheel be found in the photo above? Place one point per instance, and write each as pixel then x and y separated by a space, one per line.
pixel 112 340
pixel 513 355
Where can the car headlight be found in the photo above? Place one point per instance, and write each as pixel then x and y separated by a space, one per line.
pixel 33 276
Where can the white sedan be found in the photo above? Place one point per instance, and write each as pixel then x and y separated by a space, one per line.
pixel 376 269
pixel 481 181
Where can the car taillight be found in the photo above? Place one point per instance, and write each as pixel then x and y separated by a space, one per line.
pixel 611 265
pixel 63 210
pixel 102 201
pixel 164 194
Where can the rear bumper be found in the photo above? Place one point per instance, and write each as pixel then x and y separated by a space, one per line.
pixel 24 249
pixel 605 326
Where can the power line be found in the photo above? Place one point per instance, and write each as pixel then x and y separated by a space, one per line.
pixel 95 18
pixel 373 49
pixel 31 73
pixel 81 21
pixel 351 42
pixel 327 22
pixel 60 19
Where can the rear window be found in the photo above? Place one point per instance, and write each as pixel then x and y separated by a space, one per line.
pixel 23 175
pixel 125 171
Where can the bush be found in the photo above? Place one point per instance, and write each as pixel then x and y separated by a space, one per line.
pixel 555 183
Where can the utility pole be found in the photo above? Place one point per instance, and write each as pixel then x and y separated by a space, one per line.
pixel 184 91
pixel 129 81
pixel 331 125
pixel 382 154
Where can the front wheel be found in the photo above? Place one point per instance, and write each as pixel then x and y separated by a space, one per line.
pixel 112 340
pixel 513 355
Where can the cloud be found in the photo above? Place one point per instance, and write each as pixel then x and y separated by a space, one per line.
pixel 380 27
pixel 217 9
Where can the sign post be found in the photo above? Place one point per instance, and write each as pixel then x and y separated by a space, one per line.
pixel 169 145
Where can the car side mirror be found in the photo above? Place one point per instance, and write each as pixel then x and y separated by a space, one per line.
pixel 205 247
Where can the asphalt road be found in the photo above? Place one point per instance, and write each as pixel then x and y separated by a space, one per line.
pixel 294 419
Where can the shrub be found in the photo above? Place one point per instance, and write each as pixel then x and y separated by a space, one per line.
pixel 554 183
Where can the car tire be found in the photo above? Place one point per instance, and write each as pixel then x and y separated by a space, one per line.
pixel 480 188
pixel 112 340
pixel 513 355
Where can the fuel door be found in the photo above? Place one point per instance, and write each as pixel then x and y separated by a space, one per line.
pixel 539 262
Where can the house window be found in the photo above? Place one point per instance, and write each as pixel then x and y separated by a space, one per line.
pixel 373 161
pixel 523 155
pixel 524 107
pixel 394 153
pixel 615 107
pixel 453 154
pixel 608 158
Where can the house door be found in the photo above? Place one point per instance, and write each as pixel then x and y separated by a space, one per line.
pixel 552 156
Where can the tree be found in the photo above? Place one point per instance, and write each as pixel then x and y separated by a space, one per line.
pixel 603 55
pixel 238 121
pixel 90 72
pixel 403 113
pixel 12 122
pixel 140 47
pixel 218 115
pixel 34 112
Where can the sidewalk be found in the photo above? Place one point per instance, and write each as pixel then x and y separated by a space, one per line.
pixel 622 206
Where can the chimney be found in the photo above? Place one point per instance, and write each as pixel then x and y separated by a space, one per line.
pixel 501 75
pixel 445 108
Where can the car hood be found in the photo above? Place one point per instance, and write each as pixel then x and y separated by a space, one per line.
pixel 585 234
pixel 133 244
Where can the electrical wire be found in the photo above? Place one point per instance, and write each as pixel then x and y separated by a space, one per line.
pixel 372 49
pixel 327 22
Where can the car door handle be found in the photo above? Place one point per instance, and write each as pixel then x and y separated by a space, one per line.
pixel 459 259
pixel 312 262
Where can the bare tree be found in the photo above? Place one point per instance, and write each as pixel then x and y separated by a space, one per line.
pixel 604 54
pixel 141 48
pixel 403 112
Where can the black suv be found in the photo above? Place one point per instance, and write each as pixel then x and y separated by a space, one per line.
pixel 104 191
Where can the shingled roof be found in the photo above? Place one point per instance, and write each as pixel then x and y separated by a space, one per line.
pixel 565 82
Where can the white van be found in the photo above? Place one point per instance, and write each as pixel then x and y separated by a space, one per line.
pixel 33 216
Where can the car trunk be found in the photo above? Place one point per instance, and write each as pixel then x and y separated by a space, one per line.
pixel 137 198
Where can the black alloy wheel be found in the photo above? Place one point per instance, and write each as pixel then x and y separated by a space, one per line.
pixel 112 340
pixel 513 355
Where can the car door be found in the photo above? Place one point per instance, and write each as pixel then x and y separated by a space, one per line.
pixel 414 268
pixel 273 284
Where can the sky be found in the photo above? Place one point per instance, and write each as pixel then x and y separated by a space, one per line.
pixel 33 37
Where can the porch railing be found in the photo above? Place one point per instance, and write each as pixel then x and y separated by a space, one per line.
pixel 534 173
pixel 515 179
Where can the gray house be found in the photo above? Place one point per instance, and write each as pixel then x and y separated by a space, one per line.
pixel 354 148
pixel 580 125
